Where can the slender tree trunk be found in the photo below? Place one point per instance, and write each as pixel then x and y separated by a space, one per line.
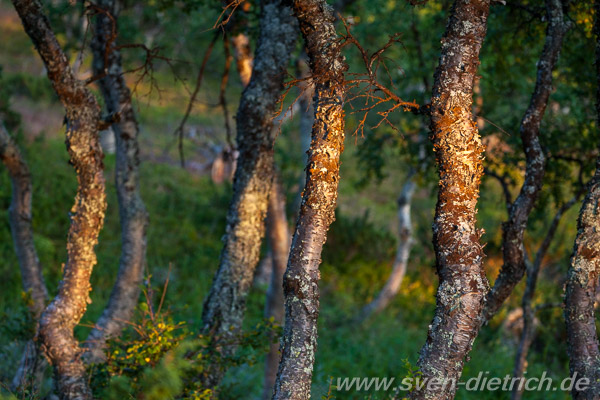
pixel 582 278
pixel 134 218
pixel 279 239
pixel 391 287
pixel 528 311
pixel 87 214
pixel 32 365
pixel 20 222
pixel 317 210
pixel 513 250
pixel 225 305
pixel 459 253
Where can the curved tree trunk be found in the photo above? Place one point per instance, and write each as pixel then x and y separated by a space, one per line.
pixel 134 218
pixel 319 199
pixel 279 239
pixel 87 214
pixel 459 253
pixel 391 287
pixel 513 250
pixel 31 366
pixel 582 278
pixel 225 305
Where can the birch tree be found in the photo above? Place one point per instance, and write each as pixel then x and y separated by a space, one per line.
pixel 108 68
pixel 225 305
pixel 319 199
pixel 459 154
pixel 582 277
pixel 82 120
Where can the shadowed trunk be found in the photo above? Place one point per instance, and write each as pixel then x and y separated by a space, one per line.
pixel 225 305
pixel 134 218
pixel 459 154
pixel 279 239
pixel 528 311
pixel 582 278
pixel 20 222
pixel 391 287
pixel 317 210
pixel 513 250
pixel 31 365
pixel 87 214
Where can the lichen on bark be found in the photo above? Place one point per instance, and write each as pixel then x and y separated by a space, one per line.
pixel 319 200
pixel 225 305
pixel 459 154
pixel 87 214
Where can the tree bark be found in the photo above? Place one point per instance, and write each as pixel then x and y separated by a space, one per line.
pixel 31 365
pixel 459 253
pixel 528 311
pixel 317 210
pixel 20 222
pixel 406 240
pixel 582 277
pixel 225 305
pixel 513 250
pixel 279 239
pixel 134 218
pixel 87 214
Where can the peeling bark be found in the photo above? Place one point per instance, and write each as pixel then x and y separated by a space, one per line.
pixel 513 250
pixel 87 214
pixel 225 305
pixel 134 218
pixel 31 366
pixel 406 240
pixel 279 239
pixel 459 154
pixel 317 210
pixel 582 277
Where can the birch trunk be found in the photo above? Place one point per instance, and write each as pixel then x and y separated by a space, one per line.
pixel 513 250
pixel 225 305
pixel 318 201
pixel 31 366
pixel 87 214
pixel 406 240
pixel 279 239
pixel 134 218
pixel 582 278
pixel 456 240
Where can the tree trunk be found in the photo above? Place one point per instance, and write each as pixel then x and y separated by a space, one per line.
pixel 20 222
pixel 528 311
pixel 317 210
pixel 225 305
pixel 279 239
pixel 243 57
pixel 87 214
pixel 32 365
pixel 459 253
pixel 406 241
pixel 513 250
pixel 134 218
pixel 582 278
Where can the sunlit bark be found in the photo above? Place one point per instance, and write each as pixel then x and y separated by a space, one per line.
pixel 459 154
pixel 87 214
pixel 318 201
